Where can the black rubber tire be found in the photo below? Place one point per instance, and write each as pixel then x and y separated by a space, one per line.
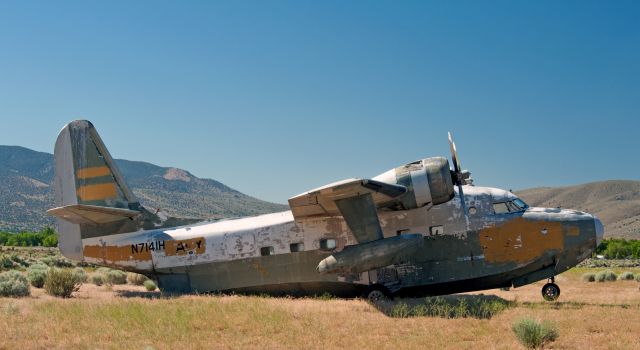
pixel 550 292
pixel 376 293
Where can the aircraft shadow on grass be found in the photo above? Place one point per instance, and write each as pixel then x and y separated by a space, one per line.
pixel 449 306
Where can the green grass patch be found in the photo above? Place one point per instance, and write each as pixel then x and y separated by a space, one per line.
pixel 534 334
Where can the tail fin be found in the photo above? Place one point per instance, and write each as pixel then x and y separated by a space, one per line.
pixel 91 196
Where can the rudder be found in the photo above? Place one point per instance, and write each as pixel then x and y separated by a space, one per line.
pixel 91 196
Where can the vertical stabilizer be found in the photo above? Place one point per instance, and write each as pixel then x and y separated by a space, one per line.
pixel 90 193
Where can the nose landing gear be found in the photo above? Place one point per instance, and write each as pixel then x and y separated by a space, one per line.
pixel 550 291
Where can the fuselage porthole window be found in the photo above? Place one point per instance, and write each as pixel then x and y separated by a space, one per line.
pixel 296 247
pixel 264 251
pixel 436 230
pixel 327 244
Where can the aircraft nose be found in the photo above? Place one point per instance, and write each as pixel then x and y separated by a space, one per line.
pixel 599 230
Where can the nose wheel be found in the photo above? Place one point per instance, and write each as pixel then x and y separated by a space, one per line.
pixel 550 291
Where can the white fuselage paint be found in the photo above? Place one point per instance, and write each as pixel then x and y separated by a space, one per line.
pixel 235 239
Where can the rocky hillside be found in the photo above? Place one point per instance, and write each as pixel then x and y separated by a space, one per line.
pixel 616 203
pixel 26 192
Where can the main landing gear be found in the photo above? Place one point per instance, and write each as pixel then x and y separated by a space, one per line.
pixel 376 293
pixel 550 291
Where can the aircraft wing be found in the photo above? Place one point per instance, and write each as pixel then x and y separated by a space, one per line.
pixel 357 200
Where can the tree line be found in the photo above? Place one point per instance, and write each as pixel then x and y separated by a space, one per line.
pixel 617 248
pixel 44 238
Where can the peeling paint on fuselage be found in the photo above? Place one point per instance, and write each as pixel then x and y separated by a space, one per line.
pixel 491 251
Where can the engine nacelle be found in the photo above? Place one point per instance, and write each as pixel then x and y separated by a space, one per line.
pixel 427 180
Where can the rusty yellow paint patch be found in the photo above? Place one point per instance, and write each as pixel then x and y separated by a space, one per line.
pixel 97 192
pixel 115 253
pixel 88 173
pixel 520 240
pixel 573 230
pixel 185 246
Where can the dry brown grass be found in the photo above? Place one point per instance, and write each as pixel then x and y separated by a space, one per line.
pixel 588 316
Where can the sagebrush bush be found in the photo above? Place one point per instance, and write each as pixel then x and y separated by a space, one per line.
pixel 607 275
pixel 97 279
pixel 626 276
pixel 80 275
pixel 638 277
pixel 116 277
pixel 14 284
pixel 61 283
pixel 533 334
pixel 150 285
pixel 56 261
pixel 589 277
pixel 5 262
pixel 103 270
pixel 136 279
pixel 37 274
pixel 610 275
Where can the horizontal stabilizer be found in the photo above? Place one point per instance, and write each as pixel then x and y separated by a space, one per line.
pixel 92 214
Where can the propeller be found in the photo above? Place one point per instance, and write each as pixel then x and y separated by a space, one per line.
pixel 460 177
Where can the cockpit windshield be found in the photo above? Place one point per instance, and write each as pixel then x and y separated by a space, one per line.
pixel 520 203
pixel 513 206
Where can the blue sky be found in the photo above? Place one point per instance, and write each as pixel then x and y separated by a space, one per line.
pixel 274 97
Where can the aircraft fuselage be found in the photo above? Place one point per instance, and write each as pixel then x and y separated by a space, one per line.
pixel 273 253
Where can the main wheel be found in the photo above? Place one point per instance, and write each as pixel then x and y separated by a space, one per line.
pixel 377 293
pixel 550 292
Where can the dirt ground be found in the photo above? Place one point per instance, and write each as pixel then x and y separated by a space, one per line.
pixel 588 316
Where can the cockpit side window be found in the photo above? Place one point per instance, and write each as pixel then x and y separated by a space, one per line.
pixel 500 208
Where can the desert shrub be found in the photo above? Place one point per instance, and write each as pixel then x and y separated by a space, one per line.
pixel 626 276
pixel 136 279
pixel 97 279
pixel 80 275
pixel 610 275
pixel 56 261
pixel 37 274
pixel 103 270
pixel 116 277
pixel 14 284
pixel 589 277
pixel 607 275
pixel 61 283
pixel 533 334
pixel 638 277
pixel 6 262
pixel 18 260
pixel 149 285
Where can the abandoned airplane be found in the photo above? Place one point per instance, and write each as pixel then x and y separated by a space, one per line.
pixel 418 229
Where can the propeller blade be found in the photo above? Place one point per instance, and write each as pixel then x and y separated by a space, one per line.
pixel 458 177
pixel 454 155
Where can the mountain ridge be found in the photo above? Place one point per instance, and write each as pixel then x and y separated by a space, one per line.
pixel 615 202
pixel 26 192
